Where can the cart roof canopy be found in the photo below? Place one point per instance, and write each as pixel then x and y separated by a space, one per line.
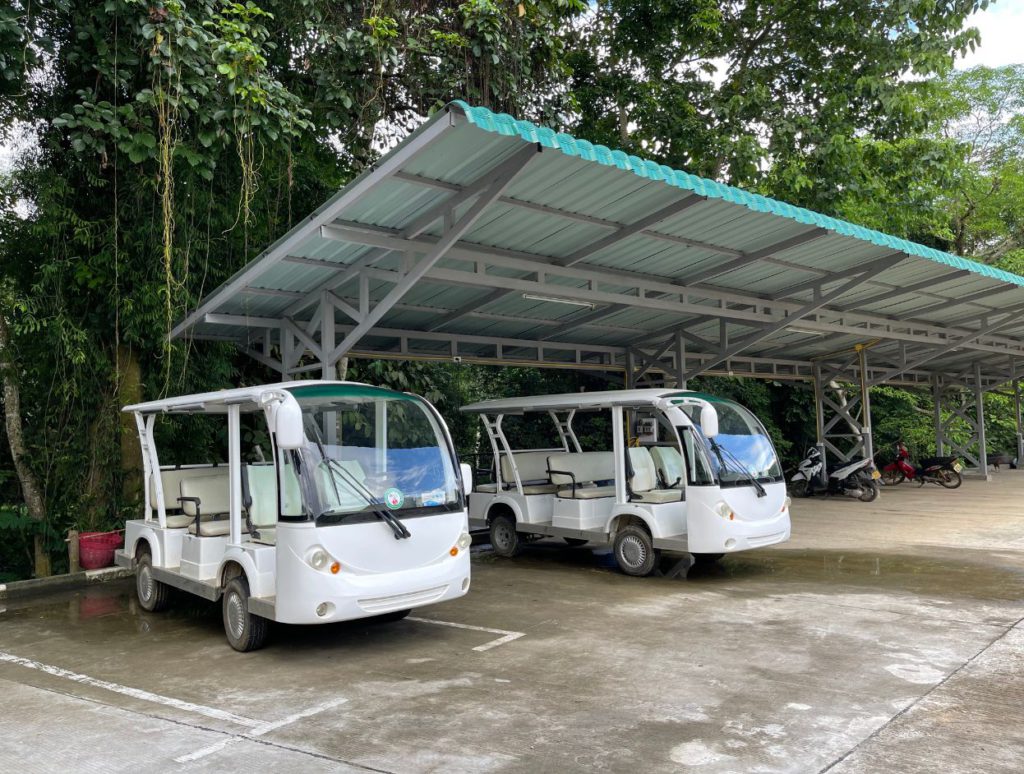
pixel 577 400
pixel 249 397
pixel 488 239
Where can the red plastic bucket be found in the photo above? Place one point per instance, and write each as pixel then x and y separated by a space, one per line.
pixel 96 549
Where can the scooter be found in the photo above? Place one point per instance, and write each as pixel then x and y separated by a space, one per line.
pixel 856 478
pixel 944 471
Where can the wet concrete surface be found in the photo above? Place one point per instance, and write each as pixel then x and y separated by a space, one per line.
pixel 874 641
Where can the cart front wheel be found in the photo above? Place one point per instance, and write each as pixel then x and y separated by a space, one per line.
pixel 634 550
pixel 245 631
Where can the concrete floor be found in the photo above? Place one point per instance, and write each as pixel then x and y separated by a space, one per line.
pixel 884 637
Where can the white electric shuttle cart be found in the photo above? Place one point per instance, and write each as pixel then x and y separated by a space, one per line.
pixel 358 509
pixel 685 472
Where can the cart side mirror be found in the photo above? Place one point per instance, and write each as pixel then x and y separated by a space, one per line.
pixel 287 423
pixel 467 478
pixel 709 421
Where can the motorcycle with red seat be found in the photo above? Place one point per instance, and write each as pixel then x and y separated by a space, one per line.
pixel 944 471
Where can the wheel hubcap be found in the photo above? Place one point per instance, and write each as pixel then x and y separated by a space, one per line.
pixel 235 615
pixel 632 551
pixel 145 580
pixel 503 536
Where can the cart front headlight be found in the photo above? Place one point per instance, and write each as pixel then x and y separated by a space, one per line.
pixel 464 541
pixel 787 502
pixel 722 509
pixel 318 559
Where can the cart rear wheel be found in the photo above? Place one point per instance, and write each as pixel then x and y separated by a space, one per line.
pixel 504 538
pixel 245 631
pixel 154 596
pixel 634 550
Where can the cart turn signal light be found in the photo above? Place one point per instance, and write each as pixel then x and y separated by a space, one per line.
pixel 335 568
pixel 454 551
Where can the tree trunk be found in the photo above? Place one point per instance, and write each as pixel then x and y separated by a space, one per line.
pixel 128 391
pixel 30 489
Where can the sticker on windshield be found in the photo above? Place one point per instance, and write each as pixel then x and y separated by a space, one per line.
pixel 394 499
pixel 433 497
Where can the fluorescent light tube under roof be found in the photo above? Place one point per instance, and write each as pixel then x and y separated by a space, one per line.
pixel 556 300
pixel 801 329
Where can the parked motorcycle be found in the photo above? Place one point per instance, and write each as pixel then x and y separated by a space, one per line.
pixel 944 471
pixel 856 478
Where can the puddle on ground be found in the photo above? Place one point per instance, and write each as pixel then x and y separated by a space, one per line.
pixel 968 573
pixel 961 574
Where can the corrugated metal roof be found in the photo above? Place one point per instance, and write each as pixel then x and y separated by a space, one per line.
pixel 722 263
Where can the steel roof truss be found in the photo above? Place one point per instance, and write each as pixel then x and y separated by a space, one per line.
pixel 352 193
pixel 498 180
pixel 857 324
pixel 625 232
pixel 744 258
pixel 819 301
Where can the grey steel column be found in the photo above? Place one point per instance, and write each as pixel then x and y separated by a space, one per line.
pixel 819 421
pixel 979 398
pixel 681 361
pixel 937 400
pixel 1017 415
pixel 867 433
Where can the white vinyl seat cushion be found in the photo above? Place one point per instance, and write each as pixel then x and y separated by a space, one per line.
pixel 587 492
pixel 656 496
pixel 528 489
pixel 214 528
pixel 171 479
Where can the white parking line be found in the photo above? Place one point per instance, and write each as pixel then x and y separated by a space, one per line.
pixel 260 730
pixel 507 636
pixel 135 693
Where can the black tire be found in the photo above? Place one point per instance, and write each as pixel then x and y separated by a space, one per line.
pixel 504 539
pixel 634 551
pixel 395 615
pixel 892 477
pixel 153 595
pixel 950 479
pixel 870 489
pixel 705 560
pixel 575 542
pixel 244 630
pixel 799 488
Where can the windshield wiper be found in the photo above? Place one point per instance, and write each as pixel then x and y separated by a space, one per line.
pixel 741 468
pixel 388 518
pixel 397 527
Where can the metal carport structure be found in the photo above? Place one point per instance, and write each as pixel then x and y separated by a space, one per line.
pixel 485 239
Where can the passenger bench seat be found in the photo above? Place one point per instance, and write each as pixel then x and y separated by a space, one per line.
pixel 645 479
pixel 214 500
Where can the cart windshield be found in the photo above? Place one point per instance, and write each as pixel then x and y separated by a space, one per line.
pixel 372 453
pixel 742 454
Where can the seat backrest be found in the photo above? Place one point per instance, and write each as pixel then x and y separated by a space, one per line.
pixel 669 464
pixel 585 466
pixel 172 478
pixel 532 465
pixel 338 490
pixel 212 491
pixel 645 477
pixel 263 491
